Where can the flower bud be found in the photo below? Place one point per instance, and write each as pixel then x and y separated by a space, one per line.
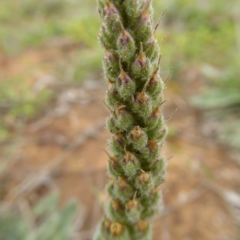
pixel 107 224
pixel 110 186
pixel 107 39
pixel 116 205
pixel 130 165
pixel 123 190
pixel 112 19
pixel 110 8
pixel 111 124
pixel 155 118
pixel 152 49
pixel 112 98
pixel 132 8
pixel 152 145
pixel 126 46
pixel 101 8
pixel 160 134
pixel 133 211
pixel 158 179
pixel 132 204
pixel 144 182
pixel 103 230
pixel 141 67
pixel 113 167
pixel 151 152
pixel 150 210
pixel 138 138
pixel 143 177
pixel 110 66
pixel 149 201
pixel 155 85
pixel 124 120
pixel 116 229
pixel 158 171
pixel 116 144
pixel 144 27
pixel 158 167
pixel 115 210
pixel 157 129
pixel 119 138
pixel 142 105
pixel 125 85
pixel 142 230
pixel 142 225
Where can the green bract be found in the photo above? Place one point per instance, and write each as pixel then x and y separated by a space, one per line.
pixel 134 97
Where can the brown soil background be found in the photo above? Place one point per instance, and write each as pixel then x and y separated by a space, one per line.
pixel 64 149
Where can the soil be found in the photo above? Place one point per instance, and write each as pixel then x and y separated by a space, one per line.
pixel 200 172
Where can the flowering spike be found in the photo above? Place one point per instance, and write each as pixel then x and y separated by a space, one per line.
pixel 137 126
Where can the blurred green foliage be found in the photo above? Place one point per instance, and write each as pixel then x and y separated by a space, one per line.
pixel 19 104
pixel 206 34
pixel 48 221
pixel 26 23
pixel 221 102
pixel 201 33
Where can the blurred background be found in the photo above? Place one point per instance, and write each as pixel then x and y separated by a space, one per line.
pixel 52 133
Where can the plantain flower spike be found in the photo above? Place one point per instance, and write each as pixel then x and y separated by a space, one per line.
pixel 136 166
